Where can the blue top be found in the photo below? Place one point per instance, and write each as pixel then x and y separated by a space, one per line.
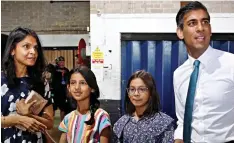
pixel 8 107
pixel 158 128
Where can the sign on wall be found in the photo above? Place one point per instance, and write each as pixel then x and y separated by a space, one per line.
pixel 97 56
pixel 97 63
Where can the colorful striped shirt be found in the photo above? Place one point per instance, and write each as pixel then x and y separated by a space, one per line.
pixel 78 131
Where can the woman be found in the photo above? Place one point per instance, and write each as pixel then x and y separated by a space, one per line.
pixel 22 68
pixel 143 121
pixel 88 123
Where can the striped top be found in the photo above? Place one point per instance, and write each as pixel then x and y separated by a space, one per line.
pixel 79 132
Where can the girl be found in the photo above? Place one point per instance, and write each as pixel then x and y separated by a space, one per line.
pixel 22 68
pixel 88 123
pixel 143 122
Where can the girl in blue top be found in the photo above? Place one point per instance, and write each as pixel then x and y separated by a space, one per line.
pixel 143 121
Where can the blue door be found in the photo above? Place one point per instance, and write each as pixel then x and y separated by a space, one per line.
pixel 160 58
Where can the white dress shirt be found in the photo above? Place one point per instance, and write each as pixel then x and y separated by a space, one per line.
pixel 213 110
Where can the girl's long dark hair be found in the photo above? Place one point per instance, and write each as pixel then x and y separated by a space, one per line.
pixel 8 65
pixel 92 83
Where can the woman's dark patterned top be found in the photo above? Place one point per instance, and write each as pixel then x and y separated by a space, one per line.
pixel 9 97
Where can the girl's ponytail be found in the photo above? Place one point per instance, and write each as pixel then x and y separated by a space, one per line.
pixel 94 105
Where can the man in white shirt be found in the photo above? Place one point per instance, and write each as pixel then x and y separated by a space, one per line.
pixel 213 105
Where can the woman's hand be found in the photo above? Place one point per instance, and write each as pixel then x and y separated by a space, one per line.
pixel 31 124
pixel 47 117
pixel 23 108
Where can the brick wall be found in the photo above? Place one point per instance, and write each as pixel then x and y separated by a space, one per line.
pixel 74 17
pixel 155 6
pixel 45 17
pixel 220 6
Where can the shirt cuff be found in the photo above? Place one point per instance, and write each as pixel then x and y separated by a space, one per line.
pixel 178 133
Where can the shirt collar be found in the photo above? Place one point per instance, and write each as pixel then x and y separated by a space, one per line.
pixel 204 58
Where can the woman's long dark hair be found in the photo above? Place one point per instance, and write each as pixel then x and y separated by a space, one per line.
pixel 8 65
pixel 92 83
pixel 154 101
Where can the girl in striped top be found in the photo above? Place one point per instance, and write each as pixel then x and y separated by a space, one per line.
pixel 89 123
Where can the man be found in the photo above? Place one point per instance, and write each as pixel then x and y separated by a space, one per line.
pixel 204 84
pixel 59 83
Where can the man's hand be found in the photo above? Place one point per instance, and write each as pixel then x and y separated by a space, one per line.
pixel 31 124
pixel 23 108
pixel 179 141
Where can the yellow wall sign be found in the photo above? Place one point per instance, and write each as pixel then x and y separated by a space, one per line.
pixel 97 56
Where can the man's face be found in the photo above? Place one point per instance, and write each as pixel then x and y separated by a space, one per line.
pixel 196 30
pixel 61 64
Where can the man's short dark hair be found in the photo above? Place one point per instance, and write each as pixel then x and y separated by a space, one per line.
pixel 195 5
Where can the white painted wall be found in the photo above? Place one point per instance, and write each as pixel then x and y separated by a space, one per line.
pixel 65 40
pixel 62 40
pixel 106 30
